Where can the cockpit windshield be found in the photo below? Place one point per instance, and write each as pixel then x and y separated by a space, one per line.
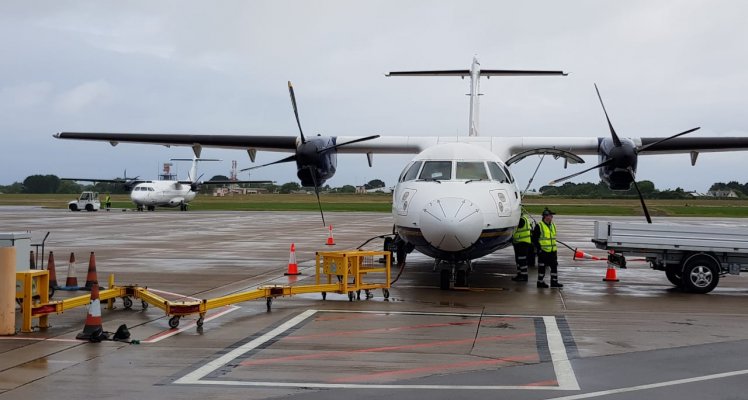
pixel 471 170
pixel 436 170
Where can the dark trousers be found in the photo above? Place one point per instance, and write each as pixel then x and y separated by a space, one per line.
pixel 546 259
pixel 524 256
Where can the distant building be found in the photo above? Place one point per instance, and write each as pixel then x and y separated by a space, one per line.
pixel 364 190
pixel 231 191
pixel 722 193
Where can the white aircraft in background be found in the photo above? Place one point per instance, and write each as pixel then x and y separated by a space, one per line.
pixel 456 200
pixel 166 192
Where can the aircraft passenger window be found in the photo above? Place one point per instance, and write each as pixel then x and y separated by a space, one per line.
pixel 150 189
pixel 471 170
pixel 438 170
pixel 497 173
pixel 412 172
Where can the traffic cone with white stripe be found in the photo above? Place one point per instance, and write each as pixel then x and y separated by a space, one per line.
pixel 91 276
pixel 93 329
pixel 52 271
pixel 330 239
pixel 71 281
pixel 293 268
pixel 579 254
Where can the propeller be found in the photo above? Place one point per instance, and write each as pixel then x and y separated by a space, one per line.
pixel 623 156
pixel 310 154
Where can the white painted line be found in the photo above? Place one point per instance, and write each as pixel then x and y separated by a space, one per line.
pixel 209 367
pixel 565 376
pixel 440 314
pixel 652 385
pixel 564 373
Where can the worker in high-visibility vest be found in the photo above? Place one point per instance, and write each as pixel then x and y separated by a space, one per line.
pixel 108 202
pixel 544 239
pixel 524 254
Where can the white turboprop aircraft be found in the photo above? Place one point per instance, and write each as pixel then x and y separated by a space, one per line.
pixel 456 200
pixel 166 192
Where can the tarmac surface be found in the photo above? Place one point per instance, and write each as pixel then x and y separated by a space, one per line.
pixel 636 338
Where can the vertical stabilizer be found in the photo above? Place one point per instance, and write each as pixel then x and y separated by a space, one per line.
pixel 475 73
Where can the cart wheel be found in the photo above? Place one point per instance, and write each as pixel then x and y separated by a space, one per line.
pixel 269 302
pixel 127 302
pixel 200 322
pixel 358 294
pixel 144 304
pixel 174 321
pixel 386 293
pixel 368 293
pixel 351 296
pixel 324 295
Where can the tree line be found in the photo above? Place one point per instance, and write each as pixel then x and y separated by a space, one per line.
pixel 46 184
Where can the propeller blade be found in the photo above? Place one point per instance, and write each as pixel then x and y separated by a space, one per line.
pixel 295 110
pixel 602 164
pixel 285 160
pixel 616 140
pixel 316 192
pixel 641 198
pixel 667 138
pixel 347 143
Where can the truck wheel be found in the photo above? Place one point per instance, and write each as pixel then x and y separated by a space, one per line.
pixel 89 207
pixel 73 207
pixel 700 274
pixel 674 275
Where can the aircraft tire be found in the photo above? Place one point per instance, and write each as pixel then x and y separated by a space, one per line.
pixel 444 279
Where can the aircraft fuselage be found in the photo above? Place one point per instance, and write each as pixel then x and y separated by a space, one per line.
pixel 456 202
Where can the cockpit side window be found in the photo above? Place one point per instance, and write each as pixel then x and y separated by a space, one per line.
pixel 497 173
pixel 509 174
pixel 412 172
pixel 439 170
pixel 471 170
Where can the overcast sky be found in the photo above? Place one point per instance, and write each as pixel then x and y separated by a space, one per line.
pixel 221 67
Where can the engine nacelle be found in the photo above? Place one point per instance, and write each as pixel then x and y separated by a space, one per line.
pixel 621 172
pixel 317 156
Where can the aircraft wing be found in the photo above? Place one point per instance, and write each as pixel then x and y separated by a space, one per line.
pixel 227 182
pixel 121 181
pixel 505 147
pixel 262 142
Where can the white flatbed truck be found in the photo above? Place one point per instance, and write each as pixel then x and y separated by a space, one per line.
pixel 694 257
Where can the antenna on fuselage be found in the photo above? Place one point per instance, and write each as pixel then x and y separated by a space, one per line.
pixel 475 73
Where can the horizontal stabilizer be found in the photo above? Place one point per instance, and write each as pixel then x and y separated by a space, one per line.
pixel 483 72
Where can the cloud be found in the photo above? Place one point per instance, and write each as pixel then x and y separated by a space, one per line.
pixel 84 97
pixel 26 95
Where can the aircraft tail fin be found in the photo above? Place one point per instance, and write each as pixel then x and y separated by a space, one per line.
pixel 192 175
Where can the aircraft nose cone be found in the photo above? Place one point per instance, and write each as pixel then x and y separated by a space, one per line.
pixel 451 223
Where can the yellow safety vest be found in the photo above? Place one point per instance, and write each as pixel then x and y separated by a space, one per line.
pixel 547 238
pixel 522 235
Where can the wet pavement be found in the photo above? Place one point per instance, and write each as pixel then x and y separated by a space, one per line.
pixel 640 337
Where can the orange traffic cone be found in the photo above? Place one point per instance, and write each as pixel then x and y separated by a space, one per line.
pixel 52 272
pixel 330 239
pixel 293 268
pixel 610 274
pixel 93 329
pixel 91 276
pixel 32 262
pixel 579 254
pixel 71 281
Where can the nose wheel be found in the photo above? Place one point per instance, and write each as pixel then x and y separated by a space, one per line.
pixel 459 274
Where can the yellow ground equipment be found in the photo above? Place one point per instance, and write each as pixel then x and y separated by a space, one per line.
pixel 344 272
